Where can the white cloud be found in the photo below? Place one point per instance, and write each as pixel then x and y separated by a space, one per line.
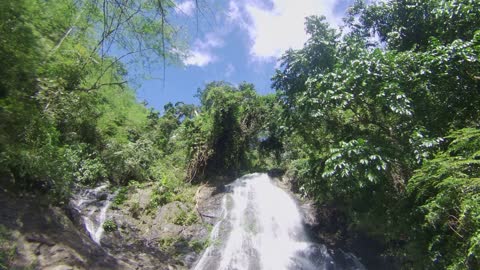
pixel 212 40
pixel 198 58
pixel 186 7
pixel 234 13
pixel 202 50
pixel 229 70
pixel 278 25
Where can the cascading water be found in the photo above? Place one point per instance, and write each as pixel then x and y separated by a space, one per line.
pixel 261 228
pixel 91 206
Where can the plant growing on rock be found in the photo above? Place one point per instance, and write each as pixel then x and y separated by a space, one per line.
pixel 198 245
pixel 170 244
pixel 110 225
pixel 135 209
pixel 120 198
pixel 168 190
pixel 162 194
pixel 7 250
pixel 185 217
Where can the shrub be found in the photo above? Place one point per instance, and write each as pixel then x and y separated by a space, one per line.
pixel 135 209
pixel 120 197
pixel 164 192
pixel 198 245
pixel 7 250
pixel 185 217
pixel 446 193
pixel 110 226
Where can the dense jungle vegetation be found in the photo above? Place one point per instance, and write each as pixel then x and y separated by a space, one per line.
pixel 379 119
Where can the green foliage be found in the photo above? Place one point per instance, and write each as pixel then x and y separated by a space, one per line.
pixel 163 193
pixel 67 116
pixel 198 245
pixel 7 248
pixel 87 166
pixel 185 217
pixel 130 160
pixel 360 117
pixel 110 226
pixel 134 184
pixel 120 197
pixel 135 209
pixel 168 244
pixel 445 191
pixel 363 124
pixel 221 138
pixel 354 166
pixel 171 244
pixel 409 24
pixel 168 190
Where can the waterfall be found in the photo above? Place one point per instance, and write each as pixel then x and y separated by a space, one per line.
pixel 261 228
pixel 91 206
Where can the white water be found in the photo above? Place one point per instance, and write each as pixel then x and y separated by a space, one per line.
pixel 261 228
pixel 92 206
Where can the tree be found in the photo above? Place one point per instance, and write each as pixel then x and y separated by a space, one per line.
pixel 446 200
pixel 410 24
pixel 67 115
pixel 363 115
pixel 224 132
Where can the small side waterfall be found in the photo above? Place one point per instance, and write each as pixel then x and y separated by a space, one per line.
pixel 91 205
pixel 261 228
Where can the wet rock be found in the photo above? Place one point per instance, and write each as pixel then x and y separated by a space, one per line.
pixel 45 238
pixel 159 234
pixel 55 238
pixel 102 196
pixel 209 202
pixel 276 173
pixel 328 225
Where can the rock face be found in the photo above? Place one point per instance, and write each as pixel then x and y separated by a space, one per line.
pixel 328 225
pixel 45 238
pixel 168 237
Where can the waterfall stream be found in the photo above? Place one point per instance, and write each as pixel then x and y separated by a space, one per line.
pixel 261 228
pixel 92 205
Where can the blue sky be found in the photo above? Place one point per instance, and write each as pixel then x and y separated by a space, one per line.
pixel 234 41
